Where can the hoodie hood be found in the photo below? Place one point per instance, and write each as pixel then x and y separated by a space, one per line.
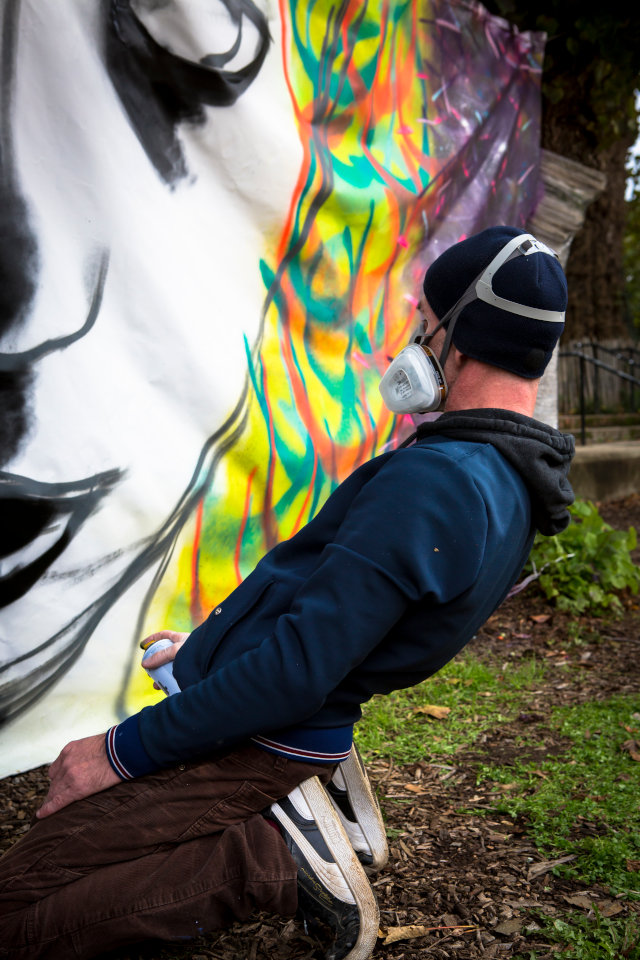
pixel 541 455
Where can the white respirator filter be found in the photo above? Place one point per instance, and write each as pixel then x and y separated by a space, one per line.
pixel 414 381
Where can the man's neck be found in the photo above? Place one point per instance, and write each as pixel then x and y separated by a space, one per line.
pixel 480 386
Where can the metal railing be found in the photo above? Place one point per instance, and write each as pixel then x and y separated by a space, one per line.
pixel 599 365
pixel 626 355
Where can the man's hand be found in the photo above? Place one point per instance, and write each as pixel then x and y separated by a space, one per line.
pixel 163 656
pixel 81 769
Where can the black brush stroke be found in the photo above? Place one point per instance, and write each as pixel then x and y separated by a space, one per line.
pixel 160 90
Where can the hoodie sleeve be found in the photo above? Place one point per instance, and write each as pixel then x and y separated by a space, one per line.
pixel 396 545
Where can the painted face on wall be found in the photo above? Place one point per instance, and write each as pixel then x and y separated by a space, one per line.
pixel 141 174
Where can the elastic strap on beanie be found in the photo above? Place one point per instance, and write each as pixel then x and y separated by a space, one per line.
pixel 454 312
pixel 524 245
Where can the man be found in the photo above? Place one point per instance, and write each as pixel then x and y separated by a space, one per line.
pixel 158 830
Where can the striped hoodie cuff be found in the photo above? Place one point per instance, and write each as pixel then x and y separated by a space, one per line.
pixel 125 751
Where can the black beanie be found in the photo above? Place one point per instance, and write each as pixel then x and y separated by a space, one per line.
pixel 485 332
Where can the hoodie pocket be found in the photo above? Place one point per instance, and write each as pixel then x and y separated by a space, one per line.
pixel 229 639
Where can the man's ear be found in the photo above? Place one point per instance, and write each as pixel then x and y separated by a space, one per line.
pixel 459 358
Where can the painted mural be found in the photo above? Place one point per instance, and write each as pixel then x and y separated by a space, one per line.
pixel 215 219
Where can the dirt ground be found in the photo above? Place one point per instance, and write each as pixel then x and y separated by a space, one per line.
pixel 447 866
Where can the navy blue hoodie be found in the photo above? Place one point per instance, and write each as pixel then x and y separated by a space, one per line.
pixel 407 558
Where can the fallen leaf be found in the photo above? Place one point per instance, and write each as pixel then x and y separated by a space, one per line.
pixel 410 932
pixel 632 747
pixel 581 900
pixel 540 617
pixel 633 865
pixel 537 869
pixel 414 930
pixel 522 903
pixel 432 710
pixel 609 908
pixel 509 927
pixel 414 787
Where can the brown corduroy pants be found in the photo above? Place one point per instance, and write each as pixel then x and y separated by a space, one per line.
pixel 168 856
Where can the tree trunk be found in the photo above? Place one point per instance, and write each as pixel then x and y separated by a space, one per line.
pixel 594 270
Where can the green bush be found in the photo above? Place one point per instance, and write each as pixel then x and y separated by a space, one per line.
pixel 585 568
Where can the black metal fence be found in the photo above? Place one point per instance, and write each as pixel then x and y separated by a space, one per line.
pixel 589 384
pixel 607 377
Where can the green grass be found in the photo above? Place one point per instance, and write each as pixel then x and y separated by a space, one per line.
pixel 478 697
pixel 596 785
pixel 593 788
pixel 583 938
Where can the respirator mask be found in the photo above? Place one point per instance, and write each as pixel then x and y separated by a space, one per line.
pixel 414 382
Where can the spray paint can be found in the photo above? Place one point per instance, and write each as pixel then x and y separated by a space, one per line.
pixel 163 675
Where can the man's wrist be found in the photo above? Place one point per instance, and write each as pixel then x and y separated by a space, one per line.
pixel 126 752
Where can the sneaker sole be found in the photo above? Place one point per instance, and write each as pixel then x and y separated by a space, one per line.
pixel 355 878
pixel 356 837
pixel 365 806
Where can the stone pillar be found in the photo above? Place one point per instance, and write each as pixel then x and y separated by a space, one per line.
pixel 569 188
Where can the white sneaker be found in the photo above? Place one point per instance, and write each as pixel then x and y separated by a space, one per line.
pixel 356 805
pixel 333 889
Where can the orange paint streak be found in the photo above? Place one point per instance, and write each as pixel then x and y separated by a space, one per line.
pixel 405 96
pixel 195 603
pixel 303 509
pixel 287 232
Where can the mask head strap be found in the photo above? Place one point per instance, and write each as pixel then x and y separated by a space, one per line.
pixel 522 245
